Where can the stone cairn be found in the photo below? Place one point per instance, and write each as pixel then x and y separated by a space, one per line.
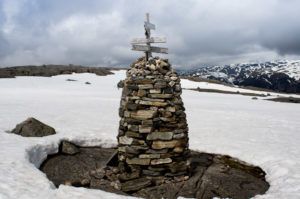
pixel 153 132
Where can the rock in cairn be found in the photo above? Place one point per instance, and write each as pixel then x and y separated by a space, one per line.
pixel 153 132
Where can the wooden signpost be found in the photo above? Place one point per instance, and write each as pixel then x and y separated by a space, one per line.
pixel 144 44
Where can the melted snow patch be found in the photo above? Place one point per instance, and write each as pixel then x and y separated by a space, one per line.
pixel 38 153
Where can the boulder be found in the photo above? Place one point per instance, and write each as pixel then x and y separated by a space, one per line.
pixel 69 148
pixel 33 128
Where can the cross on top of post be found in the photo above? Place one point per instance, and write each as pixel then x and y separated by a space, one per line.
pixel 147 48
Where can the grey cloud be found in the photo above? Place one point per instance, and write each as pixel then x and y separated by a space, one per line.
pixel 98 32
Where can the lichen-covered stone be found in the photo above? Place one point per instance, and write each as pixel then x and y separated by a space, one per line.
pixel 160 136
pixel 138 161
pixel 155 91
pixel 136 184
pixel 133 134
pixel 145 129
pixel 150 103
pixel 161 96
pixel 171 109
pixel 143 114
pixel 145 86
pixel 161 161
pixel 32 127
pixel 69 148
pixel 166 144
pixel 125 140
pixel 179 136
pixel 133 127
pixel 151 156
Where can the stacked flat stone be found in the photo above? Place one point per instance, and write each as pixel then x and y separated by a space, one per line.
pixel 153 132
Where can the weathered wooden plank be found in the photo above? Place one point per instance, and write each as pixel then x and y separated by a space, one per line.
pixel 140 47
pixel 149 49
pixel 149 25
pixel 158 50
pixel 150 40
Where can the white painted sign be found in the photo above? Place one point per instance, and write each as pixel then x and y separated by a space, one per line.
pixel 140 47
pixel 150 40
pixel 149 26
pixel 158 50
pixel 149 49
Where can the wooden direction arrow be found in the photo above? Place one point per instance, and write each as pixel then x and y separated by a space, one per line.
pixel 140 48
pixel 149 49
pixel 149 25
pixel 158 50
pixel 150 40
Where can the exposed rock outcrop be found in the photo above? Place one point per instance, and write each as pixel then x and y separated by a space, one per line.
pixel 212 176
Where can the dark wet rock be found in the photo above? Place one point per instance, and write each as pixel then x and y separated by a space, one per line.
pixel 105 185
pixel 286 99
pixel 169 190
pixel 135 185
pixel 220 180
pixel 74 168
pixel 210 176
pixel 69 148
pixel 71 80
pixel 98 173
pixel 33 128
pixel 120 84
pixel 113 159
pixel 129 176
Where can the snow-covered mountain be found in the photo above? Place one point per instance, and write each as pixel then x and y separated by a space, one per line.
pixel 283 76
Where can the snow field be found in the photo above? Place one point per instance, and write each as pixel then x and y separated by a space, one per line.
pixel 263 133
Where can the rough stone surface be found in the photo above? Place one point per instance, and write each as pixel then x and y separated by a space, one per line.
pixel 69 148
pixel 166 144
pixel 135 185
pixel 161 161
pixel 138 161
pixel 33 128
pixel 143 114
pixel 210 176
pixel 152 116
pixel 160 136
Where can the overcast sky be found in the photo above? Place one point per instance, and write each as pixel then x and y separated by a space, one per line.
pixel 98 32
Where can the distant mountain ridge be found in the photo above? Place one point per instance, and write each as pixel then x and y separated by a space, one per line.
pixel 282 76
pixel 51 70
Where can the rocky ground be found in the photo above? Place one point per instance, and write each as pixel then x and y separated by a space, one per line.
pixel 211 175
pixel 51 70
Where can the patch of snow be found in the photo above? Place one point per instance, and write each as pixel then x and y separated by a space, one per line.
pixel 218 74
pixel 206 85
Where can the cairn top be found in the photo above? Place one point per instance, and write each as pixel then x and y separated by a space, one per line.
pixel 155 65
pixel 144 44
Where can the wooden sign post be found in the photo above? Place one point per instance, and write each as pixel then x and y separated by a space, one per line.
pixel 147 48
